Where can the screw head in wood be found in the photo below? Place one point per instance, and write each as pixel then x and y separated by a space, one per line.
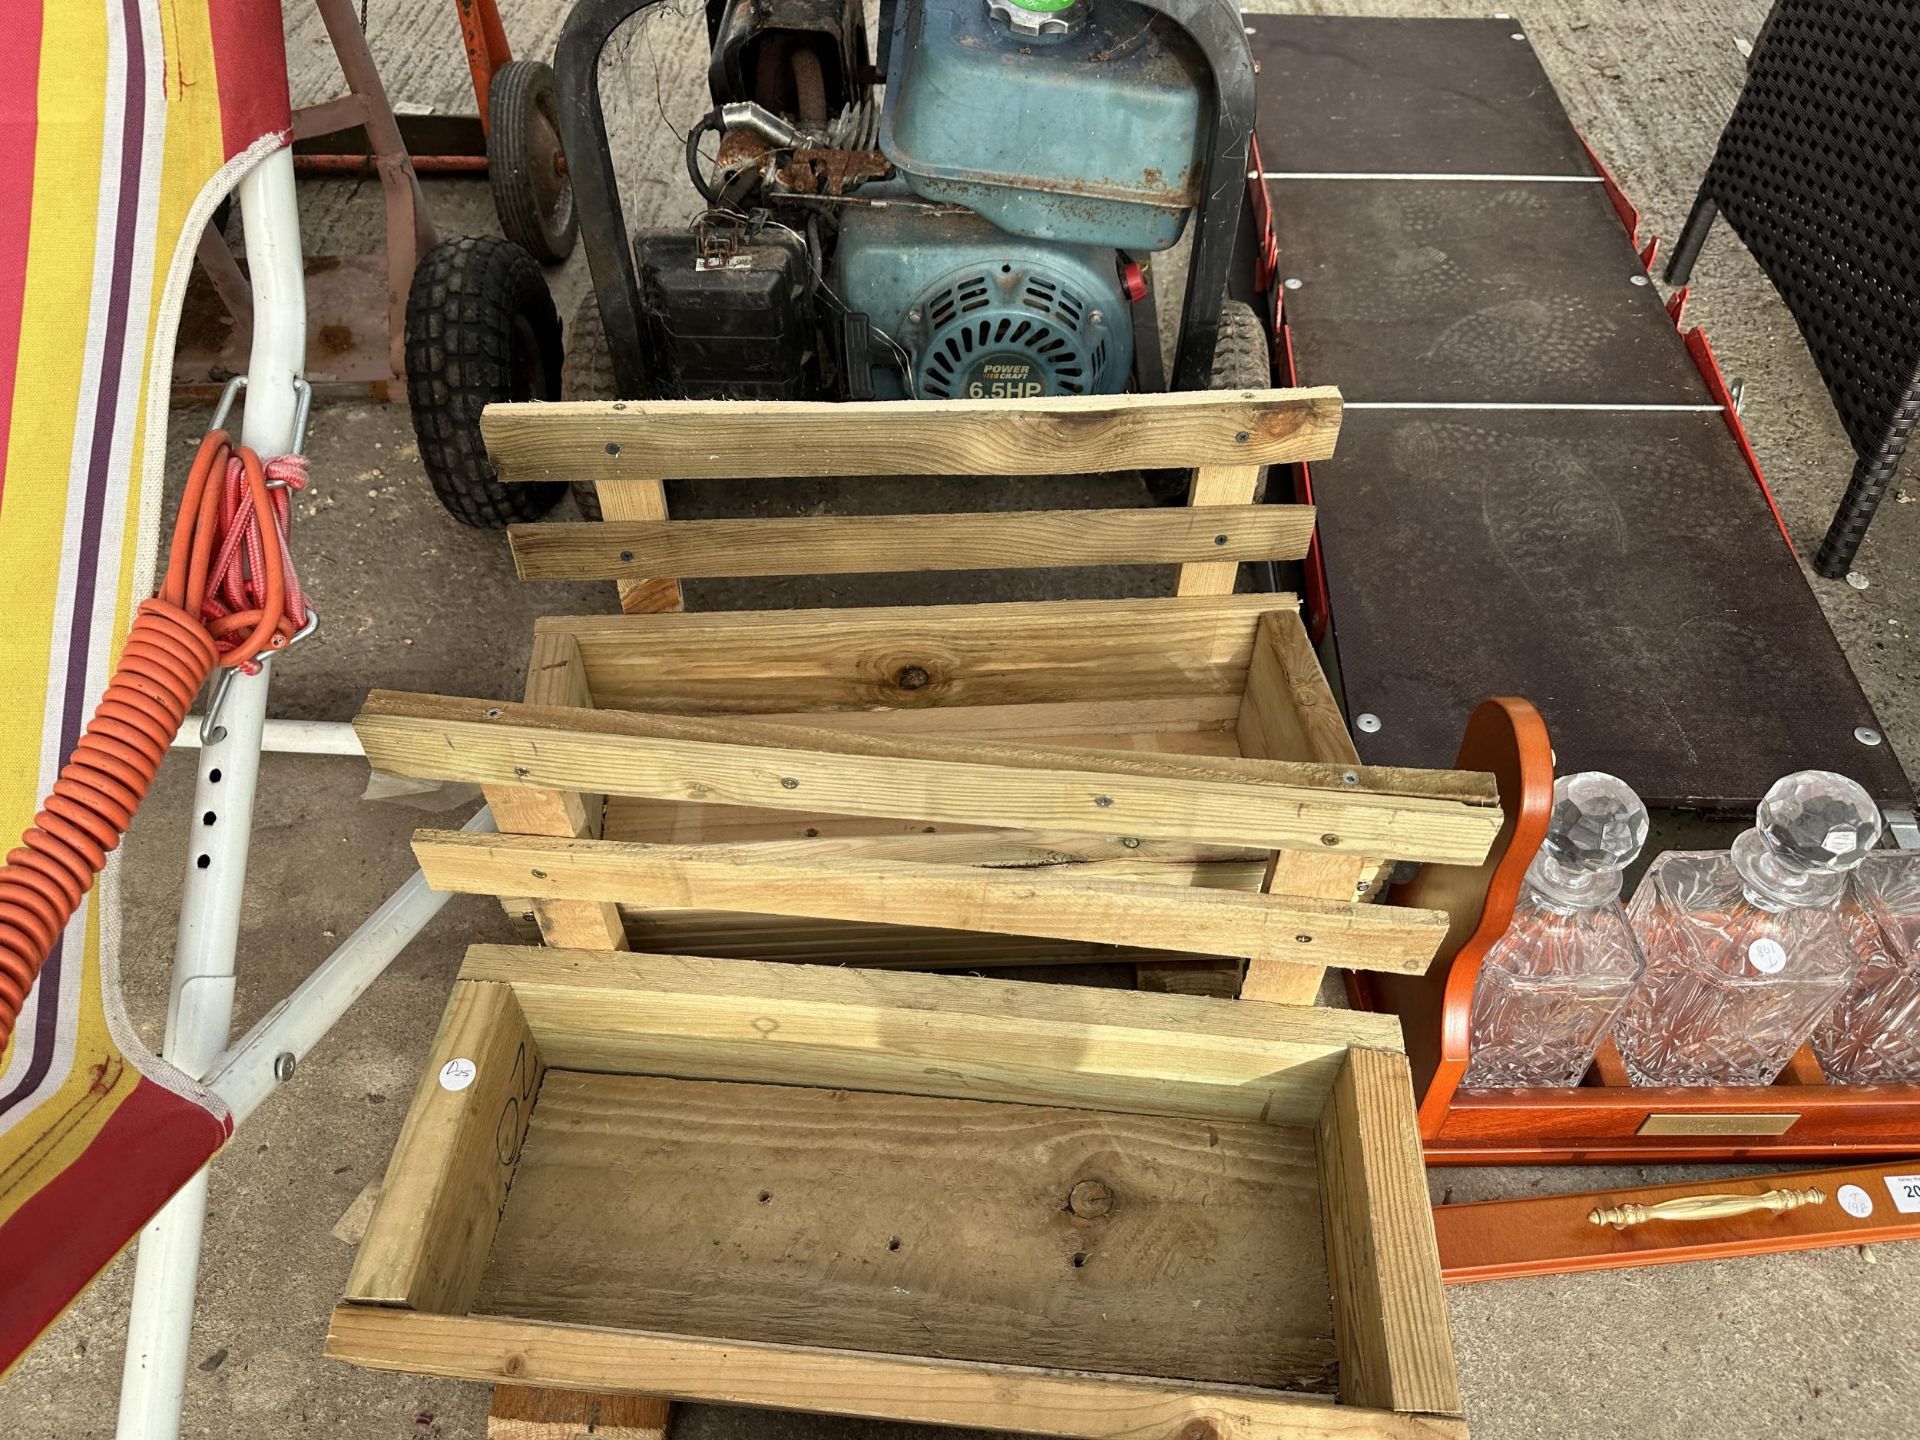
pixel 493 714
pixel 1103 801
pixel 1090 1200
pixel 787 782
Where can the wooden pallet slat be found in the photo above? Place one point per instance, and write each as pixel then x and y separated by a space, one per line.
pixel 1444 816
pixel 1075 434
pixel 1220 534
pixel 1167 917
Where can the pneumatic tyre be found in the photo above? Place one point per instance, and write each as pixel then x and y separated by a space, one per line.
pixel 1241 361
pixel 481 328
pixel 588 375
pixel 526 167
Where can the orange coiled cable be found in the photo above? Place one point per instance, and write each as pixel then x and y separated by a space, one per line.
pixel 177 640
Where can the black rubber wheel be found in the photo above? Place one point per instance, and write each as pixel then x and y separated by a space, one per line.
pixel 1241 361
pixel 588 375
pixel 481 328
pixel 526 167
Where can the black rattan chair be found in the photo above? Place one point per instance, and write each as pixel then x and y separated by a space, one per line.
pixel 1818 172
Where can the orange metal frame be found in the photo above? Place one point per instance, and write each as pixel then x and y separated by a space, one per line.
pixel 1606 1118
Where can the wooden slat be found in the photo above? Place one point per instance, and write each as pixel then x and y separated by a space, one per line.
pixel 1230 487
pixel 555 676
pixel 640 501
pixel 521 1413
pixel 838 1382
pixel 1390 1315
pixel 916 1225
pixel 921 656
pixel 1033 853
pixel 1442 815
pixel 1064 435
pixel 1209 922
pixel 872 544
pixel 430 1232
pixel 942 1035
pixel 1289 713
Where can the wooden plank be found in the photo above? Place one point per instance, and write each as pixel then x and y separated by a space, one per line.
pixel 1060 435
pixel 1034 853
pixel 838 1382
pixel 920 657
pixel 1230 487
pixel 939 1035
pixel 1441 815
pixel 555 676
pixel 1288 713
pixel 519 1412
pixel 639 501
pixel 874 544
pixel 711 877
pixel 430 1232
pixel 910 1225
pixel 1390 1315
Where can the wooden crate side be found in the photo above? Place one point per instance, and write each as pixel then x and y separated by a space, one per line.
pixel 854 1383
pixel 451 1167
pixel 1061 435
pixel 1389 1312
pixel 1220 534
pixel 919 657
pixel 556 676
pixel 1111 912
pixel 1413 814
pixel 935 1035
pixel 1288 713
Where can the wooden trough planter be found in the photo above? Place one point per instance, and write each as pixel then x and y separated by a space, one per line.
pixel 1050 1209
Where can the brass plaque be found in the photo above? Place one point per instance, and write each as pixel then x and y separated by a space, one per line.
pixel 1717 1124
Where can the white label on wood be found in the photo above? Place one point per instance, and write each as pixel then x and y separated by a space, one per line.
pixel 1905 1190
pixel 1855 1201
pixel 458 1074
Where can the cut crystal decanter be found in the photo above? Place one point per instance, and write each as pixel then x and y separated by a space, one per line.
pixel 1872 1036
pixel 1551 986
pixel 1745 949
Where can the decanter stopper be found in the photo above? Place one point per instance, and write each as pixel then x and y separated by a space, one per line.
pixel 1811 829
pixel 1596 829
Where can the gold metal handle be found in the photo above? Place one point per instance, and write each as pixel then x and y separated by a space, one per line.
pixel 1706 1207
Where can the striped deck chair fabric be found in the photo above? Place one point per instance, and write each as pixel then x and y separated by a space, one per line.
pixel 122 125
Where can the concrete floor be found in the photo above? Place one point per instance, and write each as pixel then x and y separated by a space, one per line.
pixel 1816 1344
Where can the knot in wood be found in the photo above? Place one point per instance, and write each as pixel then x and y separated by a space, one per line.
pixel 1199 1430
pixel 1090 1200
pixel 912 677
